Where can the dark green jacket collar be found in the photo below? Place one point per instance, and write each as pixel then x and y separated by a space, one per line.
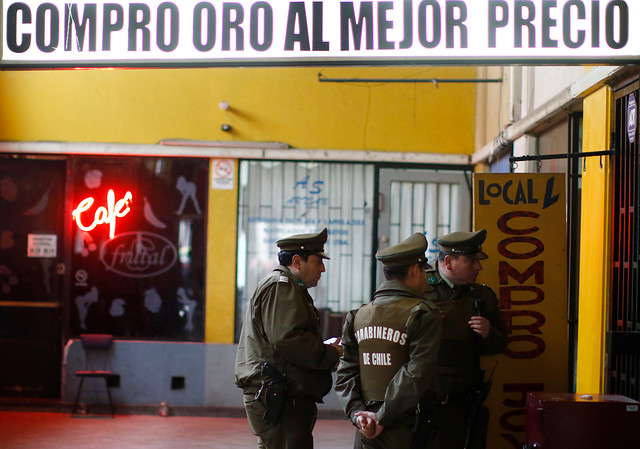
pixel 291 274
pixel 389 290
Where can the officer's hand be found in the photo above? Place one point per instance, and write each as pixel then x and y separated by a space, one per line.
pixel 336 344
pixel 368 424
pixel 480 325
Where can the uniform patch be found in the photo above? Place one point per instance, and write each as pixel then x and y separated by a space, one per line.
pixel 432 279
pixel 283 279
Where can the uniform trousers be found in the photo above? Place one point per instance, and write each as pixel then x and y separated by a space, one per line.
pixel 453 427
pixel 294 428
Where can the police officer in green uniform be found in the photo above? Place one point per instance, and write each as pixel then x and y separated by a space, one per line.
pixel 472 327
pixel 390 350
pixel 281 328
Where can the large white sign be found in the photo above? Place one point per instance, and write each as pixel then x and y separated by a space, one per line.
pixel 58 33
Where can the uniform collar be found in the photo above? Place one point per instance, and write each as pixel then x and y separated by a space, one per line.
pixel 444 278
pixel 292 275
pixel 393 288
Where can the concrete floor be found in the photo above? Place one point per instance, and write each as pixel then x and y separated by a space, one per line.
pixel 46 430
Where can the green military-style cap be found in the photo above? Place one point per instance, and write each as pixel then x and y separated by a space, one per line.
pixel 313 243
pixel 466 243
pixel 407 252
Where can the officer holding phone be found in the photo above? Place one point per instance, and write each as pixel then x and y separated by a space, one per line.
pixel 472 327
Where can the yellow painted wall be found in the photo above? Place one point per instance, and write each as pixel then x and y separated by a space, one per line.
pixel 267 104
pixel 273 105
pixel 492 108
pixel 221 262
pixel 594 244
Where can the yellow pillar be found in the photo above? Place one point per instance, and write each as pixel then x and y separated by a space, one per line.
pixel 221 260
pixel 595 235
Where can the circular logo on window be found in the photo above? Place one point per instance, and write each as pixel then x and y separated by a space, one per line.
pixel 138 254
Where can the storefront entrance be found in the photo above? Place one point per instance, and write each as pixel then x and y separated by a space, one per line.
pixel 434 202
pixel 32 198
pixel 72 263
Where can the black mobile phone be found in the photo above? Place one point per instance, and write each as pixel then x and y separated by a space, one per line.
pixel 478 304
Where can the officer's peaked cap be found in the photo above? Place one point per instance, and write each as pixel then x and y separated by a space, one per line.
pixel 407 252
pixel 466 243
pixel 313 243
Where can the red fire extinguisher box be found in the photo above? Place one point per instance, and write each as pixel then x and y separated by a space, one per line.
pixel 572 421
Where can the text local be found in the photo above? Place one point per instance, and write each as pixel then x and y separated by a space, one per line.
pixel 364 22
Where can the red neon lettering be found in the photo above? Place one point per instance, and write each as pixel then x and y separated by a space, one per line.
pixel 103 214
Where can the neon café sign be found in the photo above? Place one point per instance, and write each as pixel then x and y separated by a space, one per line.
pixel 103 214
pixel 188 33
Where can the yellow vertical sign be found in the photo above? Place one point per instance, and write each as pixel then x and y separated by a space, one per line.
pixel 525 216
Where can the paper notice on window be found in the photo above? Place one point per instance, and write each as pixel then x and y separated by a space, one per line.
pixel 42 245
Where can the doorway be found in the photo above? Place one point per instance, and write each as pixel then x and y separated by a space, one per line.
pixel 32 204
pixel 434 202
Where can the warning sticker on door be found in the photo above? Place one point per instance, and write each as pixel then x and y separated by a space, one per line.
pixel 42 245
pixel 222 174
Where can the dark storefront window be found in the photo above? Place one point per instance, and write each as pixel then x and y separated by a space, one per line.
pixel 139 274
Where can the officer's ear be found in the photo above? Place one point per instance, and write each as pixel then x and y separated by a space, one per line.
pixel 448 260
pixel 416 271
pixel 296 261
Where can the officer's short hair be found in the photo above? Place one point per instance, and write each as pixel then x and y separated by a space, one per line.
pixel 442 255
pixel 285 258
pixel 396 273
pixel 401 272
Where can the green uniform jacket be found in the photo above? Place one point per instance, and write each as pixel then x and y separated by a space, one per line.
pixel 413 379
pixel 281 326
pixel 461 348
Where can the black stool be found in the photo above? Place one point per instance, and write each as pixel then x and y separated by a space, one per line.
pixel 94 344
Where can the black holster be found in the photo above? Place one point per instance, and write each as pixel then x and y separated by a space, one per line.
pixel 425 420
pixel 275 391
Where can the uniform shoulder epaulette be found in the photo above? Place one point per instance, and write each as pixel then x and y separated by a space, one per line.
pixel 283 279
pixel 277 277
